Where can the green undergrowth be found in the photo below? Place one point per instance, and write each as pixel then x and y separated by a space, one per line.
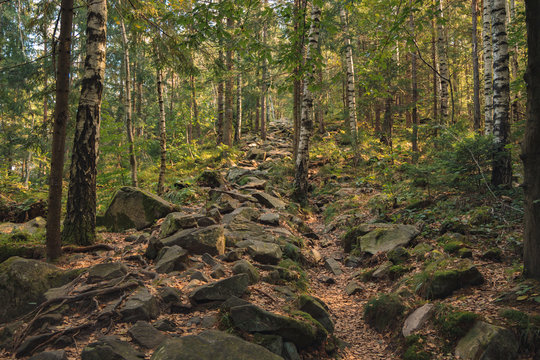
pixel 453 324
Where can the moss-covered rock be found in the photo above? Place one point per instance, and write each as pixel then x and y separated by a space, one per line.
pixel 317 309
pixel 453 324
pixel 210 178
pixel 133 208
pixel 420 250
pixel 23 283
pixel 487 342
pixel 386 237
pixel 480 216
pixel 384 312
pixel 444 276
pixel 398 255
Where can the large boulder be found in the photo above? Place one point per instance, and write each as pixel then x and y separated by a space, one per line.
pixel 146 335
pixel 176 221
pixel 141 305
pixel 245 267
pixel 221 290
pixel 269 201
pixel 23 283
pixel 211 345
pixel 417 319
pixel 110 348
pixel 210 239
pixel 317 309
pixel 253 319
pixel 264 252
pixel 448 275
pixel 172 258
pixel 106 271
pixel 386 237
pixel 134 208
pixel 487 342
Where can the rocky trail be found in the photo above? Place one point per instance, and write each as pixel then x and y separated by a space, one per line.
pixel 246 276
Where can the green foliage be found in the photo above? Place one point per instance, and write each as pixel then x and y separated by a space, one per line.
pixel 414 349
pixel 526 326
pixel 453 324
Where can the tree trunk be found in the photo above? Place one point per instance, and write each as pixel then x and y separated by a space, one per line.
pixel 229 98
pixel 502 162
pixel 476 74
pixel 61 117
pixel 488 67
pixel 386 134
pixel 443 64
pixel 196 124
pixel 127 106
pixel 351 96
pixel 414 90
pixel 298 46
pixel 264 88
pixel 531 146
pixel 435 75
pixel 319 112
pixel 80 222
pixel 306 124
pixel 162 134
pixel 238 125
pixel 220 111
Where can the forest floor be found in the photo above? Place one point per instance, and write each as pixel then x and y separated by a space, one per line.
pixel 332 211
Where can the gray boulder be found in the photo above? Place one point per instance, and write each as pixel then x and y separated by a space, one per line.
pixel 171 259
pixel 210 239
pixel 317 309
pixel 23 283
pixel 221 290
pixel 417 319
pixel 386 237
pixel 487 342
pixel 448 275
pixel 253 319
pixel 141 305
pixel 269 201
pixel 106 271
pixel 265 253
pixel 50 355
pixel 245 267
pixel 134 208
pixel 146 335
pixel 110 348
pixel 211 345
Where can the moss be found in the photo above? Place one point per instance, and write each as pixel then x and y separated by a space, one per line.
pixel 397 271
pixel 420 250
pixel 291 251
pixel 465 253
pixel 301 282
pixel 365 275
pixel 350 239
pixel 384 312
pixel 398 255
pixel 493 254
pixel 526 326
pixel 452 246
pixel 480 216
pixel 453 324
pixel 320 332
pixel 414 349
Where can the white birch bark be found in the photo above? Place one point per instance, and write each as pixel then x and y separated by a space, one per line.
pixel 306 122
pixel 350 76
pixel 488 67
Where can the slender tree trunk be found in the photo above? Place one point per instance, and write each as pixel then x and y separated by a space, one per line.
pixel 488 67
pixel 127 107
pixel 414 91
pixel 319 112
pixel 476 74
pixel 298 45
pixel 386 134
pixel 61 117
pixel 502 162
pixel 196 124
pixel 531 146
pixel 162 134
pixel 229 97
pixel 515 68
pixel 264 89
pixel 443 64
pixel 220 108
pixel 434 73
pixel 351 96
pixel 377 127
pixel 80 222
pixel 257 115
pixel 306 124
pixel 239 84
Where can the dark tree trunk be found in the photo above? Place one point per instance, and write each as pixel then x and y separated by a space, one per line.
pixel 386 134
pixel 162 134
pixel 195 123
pixel 531 145
pixel 61 117
pixel 229 96
pixel 220 111
pixel 80 222
pixel 476 73
pixel 414 90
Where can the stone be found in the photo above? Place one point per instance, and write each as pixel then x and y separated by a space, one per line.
pixel 233 255
pixel 23 283
pixel 269 219
pixel 253 319
pixel 141 305
pixel 171 259
pixel 232 302
pixel 386 237
pixel 170 295
pixel 208 322
pixel 493 254
pixel 353 288
pixel 254 183
pixel 265 253
pixel 153 248
pixel 487 342
pixel 446 276
pixel 134 208
pixel 274 343
pixel 290 352
pixel 197 275
pixel 420 250
pixel 269 201
pixel 382 270
pixel 218 272
pixel 383 312
pixel 211 345
pixel 235 173
pixel 146 335
pixel 417 319
pixel 110 348
pixel 317 309
pixel 256 154
pixel 210 239
pixel 33 226
pixel 333 266
pixel 327 280
pixel 50 355
pixel 209 259
pixel 244 212
pixel 245 267
pixel 177 221
pixel 221 290
pixel 241 229
pixel 210 178
pixel 398 255
pixel 165 325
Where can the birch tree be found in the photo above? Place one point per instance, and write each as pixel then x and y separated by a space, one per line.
pixel 80 222
pixel 306 122
pixel 502 166
pixel 488 67
pixel 350 87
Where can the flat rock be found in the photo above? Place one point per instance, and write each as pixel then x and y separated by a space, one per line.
pixel 448 275
pixel 417 319
pixel 146 335
pixel 382 270
pixel 110 348
pixel 317 309
pixel 141 305
pixel 386 237
pixel 164 325
pixel 171 259
pixel 134 208
pixel 176 221
pixel 245 267
pixel 269 219
pixel 211 345
pixel 50 355
pixel 253 319
pixel 269 201
pixel 106 271
pixel 210 239
pixel 353 288
pixel 221 290
pixel 265 253
pixel 332 265
pixel 487 342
